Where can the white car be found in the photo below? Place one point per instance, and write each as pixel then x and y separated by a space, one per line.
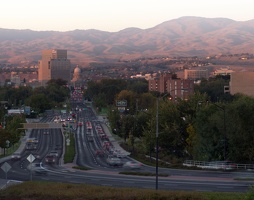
pixel 132 165
pixel 119 154
pixel 54 153
pixel 37 169
pixel 16 156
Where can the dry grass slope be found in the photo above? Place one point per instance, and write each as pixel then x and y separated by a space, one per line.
pixel 65 191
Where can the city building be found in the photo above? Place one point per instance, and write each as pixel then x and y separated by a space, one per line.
pixel 223 71
pixel 141 76
pixel 77 78
pixel 177 88
pixel 15 79
pixel 242 83
pixel 196 74
pixel 54 65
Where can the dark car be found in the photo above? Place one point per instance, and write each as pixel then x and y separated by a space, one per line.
pixel 50 158
pixel 90 138
pixel 99 153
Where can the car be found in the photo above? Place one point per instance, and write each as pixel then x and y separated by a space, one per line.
pixel 99 153
pixel 31 146
pixel 54 153
pixel 58 146
pixel 15 156
pixel 132 165
pixel 36 155
pixel 45 132
pixel 118 154
pixel 37 169
pixel 90 138
pixel 50 158
pixel 34 140
pixel 113 161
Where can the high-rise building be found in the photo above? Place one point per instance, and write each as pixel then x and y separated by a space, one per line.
pixel 54 65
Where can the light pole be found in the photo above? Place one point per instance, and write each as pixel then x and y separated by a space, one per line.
pixel 224 129
pixel 157 130
pixel 157 137
pixel 157 141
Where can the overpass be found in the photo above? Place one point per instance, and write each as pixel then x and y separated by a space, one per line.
pixel 41 125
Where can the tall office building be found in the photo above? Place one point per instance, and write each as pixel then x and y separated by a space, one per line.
pixel 54 65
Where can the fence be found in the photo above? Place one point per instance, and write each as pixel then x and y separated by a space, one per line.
pixel 218 165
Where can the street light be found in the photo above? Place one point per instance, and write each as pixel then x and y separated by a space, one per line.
pixel 224 129
pixel 157 141
pixel 157 130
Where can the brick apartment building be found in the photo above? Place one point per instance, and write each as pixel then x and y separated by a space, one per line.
pixel 177 88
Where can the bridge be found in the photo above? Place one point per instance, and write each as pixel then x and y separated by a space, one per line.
pixel 41 125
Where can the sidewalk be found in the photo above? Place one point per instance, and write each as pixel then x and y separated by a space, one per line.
pixel 3 182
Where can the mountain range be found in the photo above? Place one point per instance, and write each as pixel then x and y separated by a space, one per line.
pixel 185 36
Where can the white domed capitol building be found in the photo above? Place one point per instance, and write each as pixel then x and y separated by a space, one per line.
pixel 77 78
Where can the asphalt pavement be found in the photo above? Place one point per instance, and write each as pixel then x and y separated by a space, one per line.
pixel 6 182
pixel 104 123
pixel 112 138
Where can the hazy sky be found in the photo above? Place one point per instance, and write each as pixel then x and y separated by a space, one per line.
pixel 114 15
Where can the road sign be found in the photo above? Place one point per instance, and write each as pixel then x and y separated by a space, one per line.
pixel 68 142
pixel 5 167
pixel 30 158
pixel 121 103
pixel 121 109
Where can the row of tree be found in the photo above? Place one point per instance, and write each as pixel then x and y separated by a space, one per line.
pixel 40 99
pixel 210 125
pixel 54 94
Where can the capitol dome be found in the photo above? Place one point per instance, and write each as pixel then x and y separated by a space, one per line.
pixel 77 70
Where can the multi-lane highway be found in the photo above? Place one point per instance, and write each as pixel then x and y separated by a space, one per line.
pixel 52 140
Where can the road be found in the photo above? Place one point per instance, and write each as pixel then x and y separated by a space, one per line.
pixel 103 174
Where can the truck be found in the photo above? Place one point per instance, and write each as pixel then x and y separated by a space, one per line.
pixel 31 146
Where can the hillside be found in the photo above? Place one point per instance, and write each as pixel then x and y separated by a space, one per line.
pixel 186 36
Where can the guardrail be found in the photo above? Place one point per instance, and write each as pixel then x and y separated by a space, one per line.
pixel 213 165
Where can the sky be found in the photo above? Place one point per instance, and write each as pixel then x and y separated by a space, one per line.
pixel 114 15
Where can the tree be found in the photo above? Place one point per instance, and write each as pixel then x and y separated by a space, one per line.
pixel 13 127
pixel 114 120
pixel 130 97
pixel 240 128
pixel 4 136
pixel 38 102
pixel 214 88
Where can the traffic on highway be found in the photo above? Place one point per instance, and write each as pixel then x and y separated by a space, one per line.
pixel 41 157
